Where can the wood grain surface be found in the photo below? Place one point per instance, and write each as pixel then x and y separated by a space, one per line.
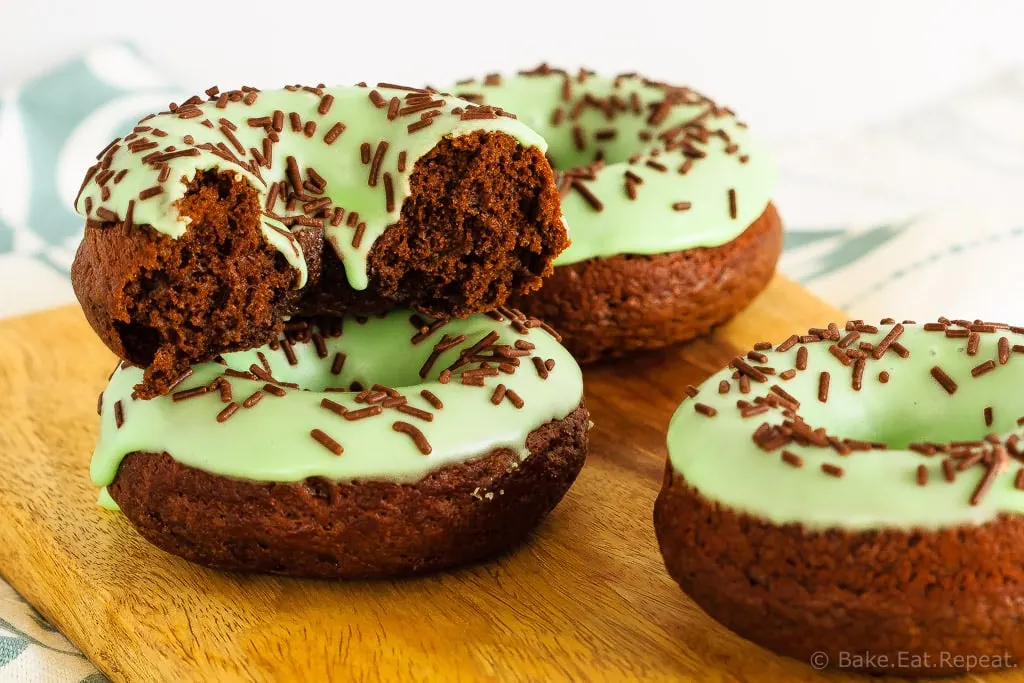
pixel 586 598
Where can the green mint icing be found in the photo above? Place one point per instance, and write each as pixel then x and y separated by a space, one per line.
pixel 599 117
pixel 271 440
pixel 340 163
pixel 105 500
pixel 879 488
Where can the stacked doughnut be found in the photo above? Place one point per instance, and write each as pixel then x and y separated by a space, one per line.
pixel 307 288
pixel 668 200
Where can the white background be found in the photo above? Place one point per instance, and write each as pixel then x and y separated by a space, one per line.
pixel 790 67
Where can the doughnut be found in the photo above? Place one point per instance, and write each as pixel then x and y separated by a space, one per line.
pixel 213 222
pixel 351 447
pixel 858 491
pixel 668 201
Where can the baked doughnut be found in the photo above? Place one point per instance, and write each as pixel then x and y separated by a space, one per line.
pixel 401 446
pixel 211 223
pixel 858 491
pixel 667 198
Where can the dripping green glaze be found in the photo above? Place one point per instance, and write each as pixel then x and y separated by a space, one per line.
pixel 339 163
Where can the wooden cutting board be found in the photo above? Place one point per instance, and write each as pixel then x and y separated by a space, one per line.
pixel 587 598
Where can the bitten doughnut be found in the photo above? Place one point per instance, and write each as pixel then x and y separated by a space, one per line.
pixel 859 490
pixel 372 447
pixel 668 201
pixel 211 223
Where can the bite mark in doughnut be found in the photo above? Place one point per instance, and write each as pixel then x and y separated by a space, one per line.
pixel 381 438
pixel 211 223
pixel 647 170
pixel 871 502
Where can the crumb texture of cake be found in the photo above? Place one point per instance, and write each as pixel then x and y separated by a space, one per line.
pixel 159 302
pixel 502 224
pixel 211 223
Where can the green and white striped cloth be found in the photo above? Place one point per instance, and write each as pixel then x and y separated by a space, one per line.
pixel 913 218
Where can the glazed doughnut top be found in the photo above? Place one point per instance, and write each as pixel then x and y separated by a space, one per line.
pixel 649 168
pixel 895 425
pixel 387 398
pixel 343 156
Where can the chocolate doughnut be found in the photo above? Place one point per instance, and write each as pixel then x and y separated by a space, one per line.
pixel 668 201
pixel 857 495
pixel 369 447
pixel 211 223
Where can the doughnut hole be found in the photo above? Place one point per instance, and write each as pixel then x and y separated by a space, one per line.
pixel 483 221
pixel 377 352
pixel 911 407
pixel 161 302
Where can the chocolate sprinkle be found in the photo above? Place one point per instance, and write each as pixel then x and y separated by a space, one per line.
pixel 985 484
pixel 972 343
pixel 785 395
pixel 378 157
pixel 832 470
pixel 253 398
pixel 186 394
pixel 228 411
pixel 979 370
pixel 840 355
pixel 231 372
pixel 289 352
pixel 389 193
pixel 334 133
pixel 432 399
pixel 748 370
pixel 705 409
pixel 757 357
pixel 327 442
pixel 858 374
pixel 587 195
pixel 944 380
pixel 823 382
pixel 886 342
pixel 335 408
pixel 788 344
pixel 793 459
pixel 417 436
pixel 515 399
pixel 362 413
